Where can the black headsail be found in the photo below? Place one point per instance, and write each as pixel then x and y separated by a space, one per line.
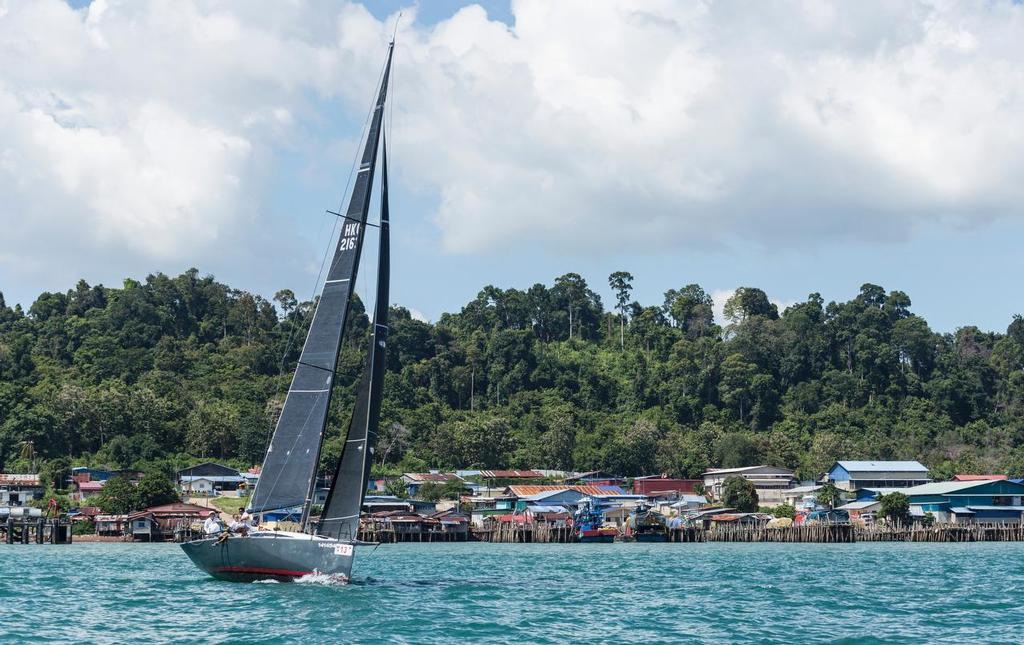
pixel 340 517
pixel 289 469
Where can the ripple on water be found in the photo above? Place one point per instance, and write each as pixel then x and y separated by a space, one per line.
pixel 437 593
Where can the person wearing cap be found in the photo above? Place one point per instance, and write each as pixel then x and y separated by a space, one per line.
pixel 212 525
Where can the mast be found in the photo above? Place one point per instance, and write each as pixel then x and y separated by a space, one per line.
pixel 288 477
pixel 340 517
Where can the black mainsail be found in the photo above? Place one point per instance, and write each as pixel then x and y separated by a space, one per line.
pixel 340 518
pixel 289 469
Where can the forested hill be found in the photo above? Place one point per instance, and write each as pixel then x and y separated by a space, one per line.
pixel 154 374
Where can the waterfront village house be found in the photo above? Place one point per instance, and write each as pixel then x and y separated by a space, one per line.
pixel 990 500
pixel 855 475
pixel 802 498
pixel 657 484
pixel 681 505
pixel 413 481
pixel 20 489
pixel 770 481
pixel 111 524
pixel 859 509
pixel 208 478
pixel 453 522
pixel 86 474
pixel 87 489
pixel 387 503
pixel 143 526
pixel 160 522
pixel 481 507
pixel 557 494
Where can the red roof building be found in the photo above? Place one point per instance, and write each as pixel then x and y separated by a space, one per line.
pixel 978 478
pixel 653 485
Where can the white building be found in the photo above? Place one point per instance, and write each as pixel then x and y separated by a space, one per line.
pixel 20 489
pixel 771 482
pixel 855 475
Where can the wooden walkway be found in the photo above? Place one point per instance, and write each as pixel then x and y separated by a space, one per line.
pixel 520 532
pixel 389 535
pixel 847 533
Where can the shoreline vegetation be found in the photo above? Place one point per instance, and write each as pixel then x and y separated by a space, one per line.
pixel 156 375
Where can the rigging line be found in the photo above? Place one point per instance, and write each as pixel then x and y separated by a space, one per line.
pixel 316 285
pixel 394 32
pixel 302 430
pixel 353 219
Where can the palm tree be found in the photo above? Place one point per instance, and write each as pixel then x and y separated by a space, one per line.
pixel 28 453
pixel 829 495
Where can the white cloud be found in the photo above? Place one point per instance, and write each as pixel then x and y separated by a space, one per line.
pixel 609 127
pixel 417 315
pixel 134 132
pixel 720 296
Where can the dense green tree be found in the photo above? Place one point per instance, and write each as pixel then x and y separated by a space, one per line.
pixel 166 371
pixel 739 493
pixel 118 496
pixel 155 489
pixel 895 507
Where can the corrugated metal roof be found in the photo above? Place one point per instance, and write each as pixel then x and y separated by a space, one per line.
pixel 941 488
pixel 883 466
pixel 13 479
pixel 429 477
pixel 529 491
pixel 975 478
pixel 857 506
pixel 511 474
pixel 801 490
pixel 996 508
pixel 961 510
pixel 744 469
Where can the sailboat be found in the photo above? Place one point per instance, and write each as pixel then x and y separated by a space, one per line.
pixel 288 476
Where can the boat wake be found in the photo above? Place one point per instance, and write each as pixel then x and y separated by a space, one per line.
pixel 325 579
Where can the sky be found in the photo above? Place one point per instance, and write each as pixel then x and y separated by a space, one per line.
pixel 793 146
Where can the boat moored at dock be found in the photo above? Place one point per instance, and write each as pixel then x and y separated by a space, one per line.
pixel 588 523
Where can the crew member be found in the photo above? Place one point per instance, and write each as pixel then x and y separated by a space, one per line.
pixel 212 525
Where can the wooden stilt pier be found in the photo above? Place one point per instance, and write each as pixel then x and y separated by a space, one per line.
pixel 35 530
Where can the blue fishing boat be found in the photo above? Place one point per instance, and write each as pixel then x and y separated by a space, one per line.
pixel 588 523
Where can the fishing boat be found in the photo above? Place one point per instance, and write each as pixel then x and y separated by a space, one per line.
pixel 288 476
pixel 646 525
pixel 588 523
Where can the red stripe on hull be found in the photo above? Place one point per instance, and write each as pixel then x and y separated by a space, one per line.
pixel 261 570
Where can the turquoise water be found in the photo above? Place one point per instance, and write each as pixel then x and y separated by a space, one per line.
pixel 438 593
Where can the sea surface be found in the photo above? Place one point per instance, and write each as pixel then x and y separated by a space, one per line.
pixel 508 593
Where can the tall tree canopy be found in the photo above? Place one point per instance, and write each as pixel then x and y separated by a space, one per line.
pixel 154 374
